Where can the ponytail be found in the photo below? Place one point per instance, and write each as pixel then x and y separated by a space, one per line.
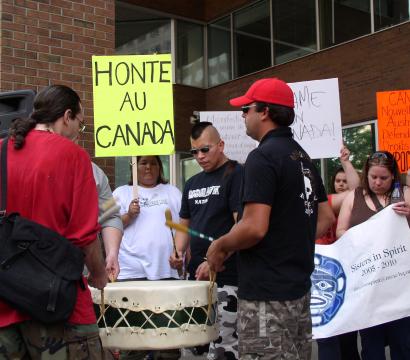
pixel 49 105
pixel 19 130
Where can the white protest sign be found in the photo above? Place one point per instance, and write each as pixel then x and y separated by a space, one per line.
pixel 362 280
pixel 231 127
pixel 317 126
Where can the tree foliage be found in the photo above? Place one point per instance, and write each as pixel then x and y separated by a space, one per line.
pixel 360 140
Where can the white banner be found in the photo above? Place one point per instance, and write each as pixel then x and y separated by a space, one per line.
pixel 317 126
pixel 363 279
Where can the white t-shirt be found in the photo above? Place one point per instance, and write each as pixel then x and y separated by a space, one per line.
pixel 147 242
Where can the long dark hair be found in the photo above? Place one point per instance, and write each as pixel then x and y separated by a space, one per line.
pixel 381 158
pixel 332 184
pixel 49 105
pixel 161 178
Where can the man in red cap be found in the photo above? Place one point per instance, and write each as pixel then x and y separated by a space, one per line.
pixel 284 209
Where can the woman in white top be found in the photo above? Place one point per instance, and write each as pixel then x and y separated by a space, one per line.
pixel 147 242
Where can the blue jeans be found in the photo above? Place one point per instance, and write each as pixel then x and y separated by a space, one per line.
pixel 341 347
pixel 396 334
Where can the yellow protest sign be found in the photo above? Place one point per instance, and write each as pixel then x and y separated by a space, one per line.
pixel 393 123
pixel 133 105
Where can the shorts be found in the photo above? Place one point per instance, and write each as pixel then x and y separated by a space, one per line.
pixel 275 329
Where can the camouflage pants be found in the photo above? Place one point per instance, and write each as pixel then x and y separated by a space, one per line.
pixel 226 346
pixel 275 329
pixel 33 340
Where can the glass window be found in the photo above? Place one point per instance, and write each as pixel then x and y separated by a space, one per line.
pixel 294 33
pixel 252 39
pixel 122 170
pixel 360 140
pixel 190 54
pixel 343 20
pixel 390 12
pixel 189 168
pixel 137 31
pixel 219 52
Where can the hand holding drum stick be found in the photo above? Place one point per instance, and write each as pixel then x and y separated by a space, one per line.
pixel 187 230
pixel 168 219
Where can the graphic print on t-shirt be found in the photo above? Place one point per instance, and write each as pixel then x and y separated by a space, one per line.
pixel 149 202
pixel 309 196
pixel 202 195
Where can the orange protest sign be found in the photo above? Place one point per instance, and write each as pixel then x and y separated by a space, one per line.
pixel 393 113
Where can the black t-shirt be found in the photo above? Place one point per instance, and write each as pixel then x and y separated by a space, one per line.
pixel 280 174
pixel 209 201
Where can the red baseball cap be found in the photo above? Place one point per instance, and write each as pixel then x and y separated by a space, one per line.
pixel 269 90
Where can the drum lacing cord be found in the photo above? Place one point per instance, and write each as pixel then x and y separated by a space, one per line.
pixel 212 279
pixel 103 310
pixel 148 319
pixel 123 316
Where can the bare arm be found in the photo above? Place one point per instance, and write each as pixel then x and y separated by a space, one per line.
pixel 343 221
pixel 202 272
pixel 352 177
pixel 95 264
pixel 246 233
pixel 337 201
pixel 112 239
pixel 250 230
pixel 325 218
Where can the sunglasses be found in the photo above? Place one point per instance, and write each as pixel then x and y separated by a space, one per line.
pixel 379 155
pixel 246 108
pixel 203 150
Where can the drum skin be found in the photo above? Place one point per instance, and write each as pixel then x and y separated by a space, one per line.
pixel 155 315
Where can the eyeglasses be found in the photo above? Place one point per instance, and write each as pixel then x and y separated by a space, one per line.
pixel 81 125
pixel 203 150
pixel 246 108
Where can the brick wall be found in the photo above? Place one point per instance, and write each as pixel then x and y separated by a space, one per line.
pixel 51 42
pixel 186 100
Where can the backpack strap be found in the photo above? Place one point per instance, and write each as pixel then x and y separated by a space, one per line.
pixel 376 202
pixel 3 175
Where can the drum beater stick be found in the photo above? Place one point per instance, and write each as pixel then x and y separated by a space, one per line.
pixel 168 218
pixel 187 230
